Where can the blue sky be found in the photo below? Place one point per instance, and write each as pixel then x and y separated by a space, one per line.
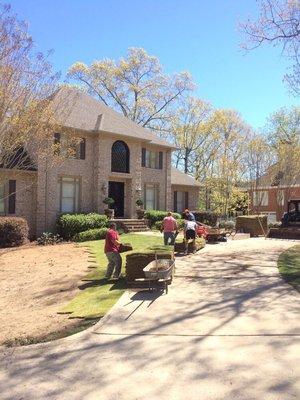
pixel 198 36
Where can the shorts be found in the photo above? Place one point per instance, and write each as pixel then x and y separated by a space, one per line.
pixel 190 234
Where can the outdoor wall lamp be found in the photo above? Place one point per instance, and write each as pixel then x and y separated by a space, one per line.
pixel 104 188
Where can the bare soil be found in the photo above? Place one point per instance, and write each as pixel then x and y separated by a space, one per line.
pixel 35 283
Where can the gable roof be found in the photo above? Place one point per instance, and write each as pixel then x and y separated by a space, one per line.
pixel 180 178
pixel 76 109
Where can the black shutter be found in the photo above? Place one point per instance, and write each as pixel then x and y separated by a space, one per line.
pixel 12 196
pixel 160 160
pixel 186 199
pixel 56 143
pixel 175 201
pixel 143 157
pixel 82 149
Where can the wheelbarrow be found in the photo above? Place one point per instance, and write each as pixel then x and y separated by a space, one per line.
pixel 159 270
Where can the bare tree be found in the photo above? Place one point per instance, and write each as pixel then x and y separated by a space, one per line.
pixel 189 132
pixel 278 24
pixel 134 86
pixel 26 86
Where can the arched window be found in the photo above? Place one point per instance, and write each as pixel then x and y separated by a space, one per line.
pixel 120 157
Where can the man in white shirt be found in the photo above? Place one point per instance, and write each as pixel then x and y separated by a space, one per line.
pixel 190 229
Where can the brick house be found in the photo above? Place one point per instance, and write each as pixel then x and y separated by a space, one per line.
pixel 113 157
pixel 271 197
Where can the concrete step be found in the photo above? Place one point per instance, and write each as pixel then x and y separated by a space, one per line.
pixel 132 225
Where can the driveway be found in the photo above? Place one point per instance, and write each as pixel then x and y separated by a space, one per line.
pixel 228 329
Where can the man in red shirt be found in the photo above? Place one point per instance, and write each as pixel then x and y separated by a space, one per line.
pixel 111 249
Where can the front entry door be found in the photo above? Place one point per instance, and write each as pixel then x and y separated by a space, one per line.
pixel 116 192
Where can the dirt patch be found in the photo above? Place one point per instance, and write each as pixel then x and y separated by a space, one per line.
pixel 35 282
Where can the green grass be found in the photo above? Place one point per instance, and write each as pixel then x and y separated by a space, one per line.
pixel 97 295
pixel 289 266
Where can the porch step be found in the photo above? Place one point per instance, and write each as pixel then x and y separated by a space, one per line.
pixel 132 225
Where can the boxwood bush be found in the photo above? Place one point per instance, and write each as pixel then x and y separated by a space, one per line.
pixel 91 234
pixel 206 217
pixel 13 231
pixel 153 216
pixel 68 225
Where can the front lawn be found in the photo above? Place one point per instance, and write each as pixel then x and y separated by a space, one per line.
pixel 289 266
pixel 97 295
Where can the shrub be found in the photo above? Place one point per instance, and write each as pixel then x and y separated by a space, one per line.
pixel 68 225
pixel 91 234
pixel 206 217
pixel 153 216
pixel 13 231
pixel 48 238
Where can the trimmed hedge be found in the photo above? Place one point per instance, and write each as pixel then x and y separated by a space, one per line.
pixel 154 216
pixel 68 225
pixel 206 217
pixel 91 234
pixel 13 231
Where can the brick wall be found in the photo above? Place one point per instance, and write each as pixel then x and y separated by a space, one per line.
pixel 26 185
pixel 193 195
pixel 274 205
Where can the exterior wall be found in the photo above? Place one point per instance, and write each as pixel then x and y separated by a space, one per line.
pixel 26 195
pixel 273 206
pixel 49 174
pixel 95 173
pixel 160 177
pixel 193 195
pixel 103 173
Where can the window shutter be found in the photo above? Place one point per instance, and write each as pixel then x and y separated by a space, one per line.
pixel 82 149
pixel 186 199
pixel 160 160
pixel 175 201
pixel 56 143
pixel 12 196
pixel 143 157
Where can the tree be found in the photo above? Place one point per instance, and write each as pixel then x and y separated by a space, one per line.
pixel 26 86
pixel 278 24
pixel 284 136
pixel 189 131
pixel 223 172
pixel 134 86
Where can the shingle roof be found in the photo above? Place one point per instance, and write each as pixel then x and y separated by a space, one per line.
pixel 180 178
pixel 76 109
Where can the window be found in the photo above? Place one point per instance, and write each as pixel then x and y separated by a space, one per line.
pixel 181 201
pixel 280 197
pixel 151 197
pixel 8 197
pixel 120 157
pixel 152 159
pixel 70 195
pixel 260 198
pixel 2 194
pixel 69 147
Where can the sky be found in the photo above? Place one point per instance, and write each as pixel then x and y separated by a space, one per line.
pixel 201 37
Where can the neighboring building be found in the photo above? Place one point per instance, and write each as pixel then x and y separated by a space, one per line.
pixel 113 156
pixel 272 195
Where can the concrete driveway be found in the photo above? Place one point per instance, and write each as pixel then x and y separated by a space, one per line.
pixel 228 329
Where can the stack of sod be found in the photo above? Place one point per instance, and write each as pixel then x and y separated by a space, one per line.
pixel 180 247
pixel 136 262
pixel 256 225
